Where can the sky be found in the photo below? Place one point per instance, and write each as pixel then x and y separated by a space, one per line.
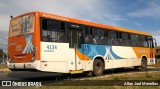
pixel 141 15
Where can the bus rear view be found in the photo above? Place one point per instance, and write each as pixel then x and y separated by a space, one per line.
pixel 52 43
pixel 21 42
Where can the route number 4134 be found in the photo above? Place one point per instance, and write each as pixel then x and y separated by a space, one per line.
pixel 51 47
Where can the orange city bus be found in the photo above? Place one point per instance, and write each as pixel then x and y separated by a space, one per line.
pixel 52 43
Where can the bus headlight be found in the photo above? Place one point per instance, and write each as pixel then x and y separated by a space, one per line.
pixel 33 59
pixel 10 60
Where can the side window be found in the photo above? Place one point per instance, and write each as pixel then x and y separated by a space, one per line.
pixel 125 39
pixel 135 40
pixel 53 25
pixel 88 38
pixel 100 36
pixel 97 35
pixel 113 34
pixel 113 38
pixel 143 41
pixel 94 37
pixel 52 31
pixel 94 32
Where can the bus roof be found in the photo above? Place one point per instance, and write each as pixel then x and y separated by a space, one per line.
pixel 67 19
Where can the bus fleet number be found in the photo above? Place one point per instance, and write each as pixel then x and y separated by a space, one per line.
pixel 51 47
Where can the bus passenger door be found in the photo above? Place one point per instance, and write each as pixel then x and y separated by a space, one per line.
pixel 75 41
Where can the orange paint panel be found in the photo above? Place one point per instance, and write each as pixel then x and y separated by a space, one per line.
pixel 132 31
pixel 81 56
pixel 139 51
pixel 15 48
pixel 37 36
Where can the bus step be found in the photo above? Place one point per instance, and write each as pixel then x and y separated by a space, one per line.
pixel 76 71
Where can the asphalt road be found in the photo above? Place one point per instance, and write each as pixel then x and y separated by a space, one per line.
pixel 27 75
pixel 43 76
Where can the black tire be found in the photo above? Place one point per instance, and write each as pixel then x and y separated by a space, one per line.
pixel 143 66
pixel 12 69
pixel 87 73
pixel 136 67
pixel 98 67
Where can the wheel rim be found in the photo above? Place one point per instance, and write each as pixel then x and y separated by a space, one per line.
pixel 143 63
pixel 98 67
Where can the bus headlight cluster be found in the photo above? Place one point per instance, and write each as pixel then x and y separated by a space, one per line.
pixel 10 60
pixel 33 58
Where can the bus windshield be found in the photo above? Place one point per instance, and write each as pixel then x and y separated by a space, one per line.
pixel 22 25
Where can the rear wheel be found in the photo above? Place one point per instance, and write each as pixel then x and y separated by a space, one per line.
pixel 98 67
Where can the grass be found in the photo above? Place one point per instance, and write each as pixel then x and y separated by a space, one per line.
pixel 3 66
pixel 128 76
pixel 137 76
pixel 156 65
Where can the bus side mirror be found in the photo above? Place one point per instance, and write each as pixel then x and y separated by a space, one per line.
pixel 11 16
pixel 155 44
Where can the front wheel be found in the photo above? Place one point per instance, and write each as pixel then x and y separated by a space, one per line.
pixel 98 67
pixel 143 65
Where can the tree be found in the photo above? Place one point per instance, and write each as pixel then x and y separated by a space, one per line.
pixel 3 55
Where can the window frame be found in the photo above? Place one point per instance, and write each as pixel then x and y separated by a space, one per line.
pixel 49 32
